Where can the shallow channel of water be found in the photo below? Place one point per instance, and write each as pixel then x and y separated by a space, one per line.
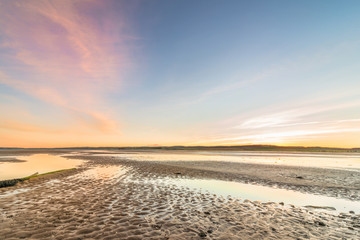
pixel 260 193
pixel 36 163
pixel 321 160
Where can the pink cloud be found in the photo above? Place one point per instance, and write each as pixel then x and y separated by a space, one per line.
pixel 65 53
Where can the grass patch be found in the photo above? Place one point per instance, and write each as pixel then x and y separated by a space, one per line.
pixel 42 174
pixel 12 182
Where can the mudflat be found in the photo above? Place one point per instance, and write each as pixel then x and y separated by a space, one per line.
pixel 115 198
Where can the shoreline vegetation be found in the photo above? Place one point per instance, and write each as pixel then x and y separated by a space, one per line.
pixel 13 182
pixel 209 148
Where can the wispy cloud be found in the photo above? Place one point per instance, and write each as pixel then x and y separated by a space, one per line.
pixel 279 137
pixel 304 123
pixel 67 53
pixel 289 117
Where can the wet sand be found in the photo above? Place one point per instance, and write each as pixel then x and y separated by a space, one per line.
pixel 329 182
pixel 112 198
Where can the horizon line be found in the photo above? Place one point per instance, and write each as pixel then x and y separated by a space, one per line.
pixel 197 146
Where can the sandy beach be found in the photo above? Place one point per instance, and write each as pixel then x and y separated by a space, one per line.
pixel 115 198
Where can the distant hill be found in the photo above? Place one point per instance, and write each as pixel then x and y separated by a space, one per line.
pixel 256 148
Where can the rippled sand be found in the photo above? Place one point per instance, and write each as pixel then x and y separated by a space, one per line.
pixel 110 198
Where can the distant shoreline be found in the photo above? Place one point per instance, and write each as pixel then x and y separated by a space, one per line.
pixel 270 148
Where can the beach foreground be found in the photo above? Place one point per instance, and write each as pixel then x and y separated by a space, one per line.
pixel 114 198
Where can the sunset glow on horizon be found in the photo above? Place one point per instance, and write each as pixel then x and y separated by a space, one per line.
pixel 146 73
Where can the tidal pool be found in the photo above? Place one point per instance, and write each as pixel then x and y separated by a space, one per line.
pixel 268 194
pixel 253 192
pixel 36 163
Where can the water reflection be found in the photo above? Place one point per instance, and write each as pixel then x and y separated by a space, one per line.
pixel 330 160
pixel 36 163
pixel 259 193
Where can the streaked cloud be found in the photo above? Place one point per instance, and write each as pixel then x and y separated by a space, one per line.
pixel 292 117
pixel 305 124
pixel 66 53
pixel 284 136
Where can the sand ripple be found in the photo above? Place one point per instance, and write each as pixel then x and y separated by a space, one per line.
pixel 102 202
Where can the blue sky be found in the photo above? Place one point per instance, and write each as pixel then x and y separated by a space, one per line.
pixel 181 72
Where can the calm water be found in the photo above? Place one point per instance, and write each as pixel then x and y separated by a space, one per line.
pixel 36 163
pixel 267 194
pixel 322 160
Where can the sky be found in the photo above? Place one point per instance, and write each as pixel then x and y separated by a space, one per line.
pixel 169 72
